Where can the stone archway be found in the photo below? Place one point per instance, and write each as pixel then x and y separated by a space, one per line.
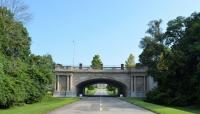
pixel 122 88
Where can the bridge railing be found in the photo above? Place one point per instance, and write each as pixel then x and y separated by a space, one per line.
pixel 59 67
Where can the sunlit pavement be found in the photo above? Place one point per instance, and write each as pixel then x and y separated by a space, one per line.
pixel 100 105
pixel 101 92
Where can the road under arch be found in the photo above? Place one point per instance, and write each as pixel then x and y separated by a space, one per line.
pixel 122 89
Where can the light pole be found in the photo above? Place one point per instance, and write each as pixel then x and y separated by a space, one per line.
pixel 73 53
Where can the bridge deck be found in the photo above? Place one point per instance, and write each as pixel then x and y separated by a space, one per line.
pixel 104 69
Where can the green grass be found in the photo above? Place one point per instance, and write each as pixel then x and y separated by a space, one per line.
pixel 47 104
pixel 163 109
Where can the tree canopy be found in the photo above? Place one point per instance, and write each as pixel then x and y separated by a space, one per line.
pixel 18 9
pixel 24 77
pixel 173 58
pixel 96 62
pixel 130 62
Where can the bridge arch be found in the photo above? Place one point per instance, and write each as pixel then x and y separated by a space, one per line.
pixel 70 81
pixel 122 88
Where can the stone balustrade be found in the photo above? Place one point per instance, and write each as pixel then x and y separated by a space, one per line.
pixel 104 69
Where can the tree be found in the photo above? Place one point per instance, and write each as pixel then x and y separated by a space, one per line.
pixel 24 77
pixel 112 89
pixel 130 61
pixel 96 62
pixel 174 62
pixel 153 47
pixel 155 30
pixel 18 8
pixel 41 72
pixel 14 39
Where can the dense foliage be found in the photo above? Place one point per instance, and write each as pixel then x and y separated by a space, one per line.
pixel 24 77
pixel 173 58
pixel 96 62
pixel 112 89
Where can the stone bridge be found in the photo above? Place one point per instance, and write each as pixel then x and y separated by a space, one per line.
pixel 131 82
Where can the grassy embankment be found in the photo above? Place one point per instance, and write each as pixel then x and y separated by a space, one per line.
pixel 47 104
pixel 163 109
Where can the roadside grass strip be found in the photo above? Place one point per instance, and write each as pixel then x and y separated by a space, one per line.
pixel 49 103
pixel 158 109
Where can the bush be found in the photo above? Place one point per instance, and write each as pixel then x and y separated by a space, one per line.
pixel 91 87
pixel 6 92
pixel 26 83
pixel 159 97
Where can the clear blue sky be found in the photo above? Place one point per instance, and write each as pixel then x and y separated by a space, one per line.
pixel 110 28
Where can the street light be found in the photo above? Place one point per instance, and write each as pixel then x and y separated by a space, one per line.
pixel 73 52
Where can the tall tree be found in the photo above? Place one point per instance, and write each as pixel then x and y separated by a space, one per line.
pixel 130 62
pixel 24 78
pixel 155 30
pixel 152 46
pixel 96 62
pixel 174 62
pixel 14 39
pixel 18 8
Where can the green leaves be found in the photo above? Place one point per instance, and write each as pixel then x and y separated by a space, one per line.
pixel 14 37
pixel 174 60
pixel 96 62
pixel 24 78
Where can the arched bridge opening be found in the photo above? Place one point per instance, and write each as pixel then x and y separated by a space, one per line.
pixel 120 87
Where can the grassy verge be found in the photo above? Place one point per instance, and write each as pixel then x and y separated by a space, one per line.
pixel 163 109
pixel 47 104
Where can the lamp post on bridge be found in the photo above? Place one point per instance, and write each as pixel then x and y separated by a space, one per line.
pixel 73 53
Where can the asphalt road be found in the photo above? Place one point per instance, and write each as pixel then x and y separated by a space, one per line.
pixel 101 92
pixel 100 105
